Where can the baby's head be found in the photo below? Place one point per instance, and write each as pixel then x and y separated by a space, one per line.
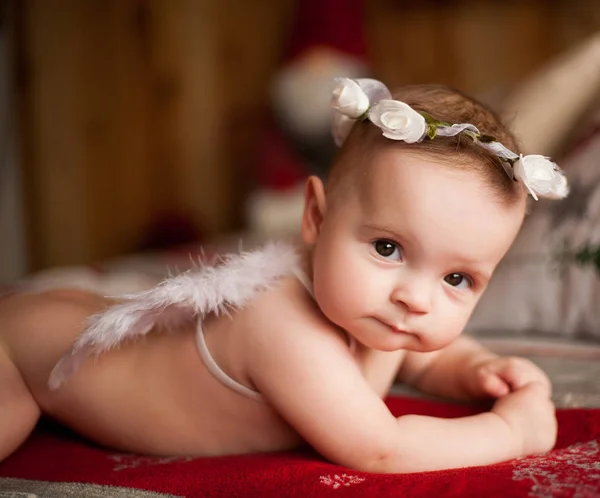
pixel 458 153
pixel 405 236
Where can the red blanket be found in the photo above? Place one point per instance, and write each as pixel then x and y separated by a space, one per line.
pixel 56 463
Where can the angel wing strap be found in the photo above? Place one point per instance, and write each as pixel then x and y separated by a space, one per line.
pixel 190 296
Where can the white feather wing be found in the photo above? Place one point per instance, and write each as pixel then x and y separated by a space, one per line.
pixel 178 300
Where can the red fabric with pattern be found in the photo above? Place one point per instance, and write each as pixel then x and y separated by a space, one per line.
pixel 572 469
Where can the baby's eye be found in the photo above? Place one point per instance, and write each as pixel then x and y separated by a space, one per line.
pixel 458 280
pixel 387 249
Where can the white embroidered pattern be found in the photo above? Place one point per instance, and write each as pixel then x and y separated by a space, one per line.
pixel 124 461
pixel 573 471
pixel 336 481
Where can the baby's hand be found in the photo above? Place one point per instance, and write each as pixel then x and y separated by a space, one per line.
pixel 531 415
pixel 497 377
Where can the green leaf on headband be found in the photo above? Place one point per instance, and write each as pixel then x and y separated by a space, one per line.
pixel 428 117
pixel 431 131
pixel 486 139
pixel 471 134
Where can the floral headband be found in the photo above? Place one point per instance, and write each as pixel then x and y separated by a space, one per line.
pixel 359 99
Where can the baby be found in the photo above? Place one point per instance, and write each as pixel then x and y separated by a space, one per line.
pixel 299 343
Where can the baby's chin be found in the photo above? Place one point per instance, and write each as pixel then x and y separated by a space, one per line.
pixel 385 339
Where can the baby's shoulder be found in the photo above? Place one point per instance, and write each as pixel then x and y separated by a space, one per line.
pixel 287 300
pixel 272 298
pixel 287 310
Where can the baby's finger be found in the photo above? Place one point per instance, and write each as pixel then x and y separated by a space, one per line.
pixel 491 384
pixel 518 372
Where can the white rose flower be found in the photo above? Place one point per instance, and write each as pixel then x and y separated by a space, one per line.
pixel 349 98
pixel 541 176
pixel 398 121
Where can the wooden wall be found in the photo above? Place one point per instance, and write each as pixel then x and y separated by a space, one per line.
pixel 130 109
pixel 474 45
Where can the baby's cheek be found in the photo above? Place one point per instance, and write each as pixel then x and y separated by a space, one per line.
pixel 338 300
pixel 448 330
pixel 329 296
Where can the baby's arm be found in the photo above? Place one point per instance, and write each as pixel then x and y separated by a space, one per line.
pixel 307 373
pixel 467 370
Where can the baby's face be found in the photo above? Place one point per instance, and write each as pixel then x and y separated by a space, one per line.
pixel 402 259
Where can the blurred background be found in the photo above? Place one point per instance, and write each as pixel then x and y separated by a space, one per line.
pixel 136 125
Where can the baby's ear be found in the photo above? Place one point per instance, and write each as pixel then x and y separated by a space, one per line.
pixel 314 209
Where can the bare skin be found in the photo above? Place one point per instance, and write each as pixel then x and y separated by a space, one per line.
pixel 161 408
pixel 155 396
pixel 159 384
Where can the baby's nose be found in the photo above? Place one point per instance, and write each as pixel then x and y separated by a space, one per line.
pixel 414 295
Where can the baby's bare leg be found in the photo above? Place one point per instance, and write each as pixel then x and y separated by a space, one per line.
pixel 35 329
pixel 19 411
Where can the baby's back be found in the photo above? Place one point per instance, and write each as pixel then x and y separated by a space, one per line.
pixel 153 395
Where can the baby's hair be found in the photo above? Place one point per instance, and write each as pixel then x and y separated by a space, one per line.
pixel 445 104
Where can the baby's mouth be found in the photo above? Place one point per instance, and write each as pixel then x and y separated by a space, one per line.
pixel 400 331
pixel 396 329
